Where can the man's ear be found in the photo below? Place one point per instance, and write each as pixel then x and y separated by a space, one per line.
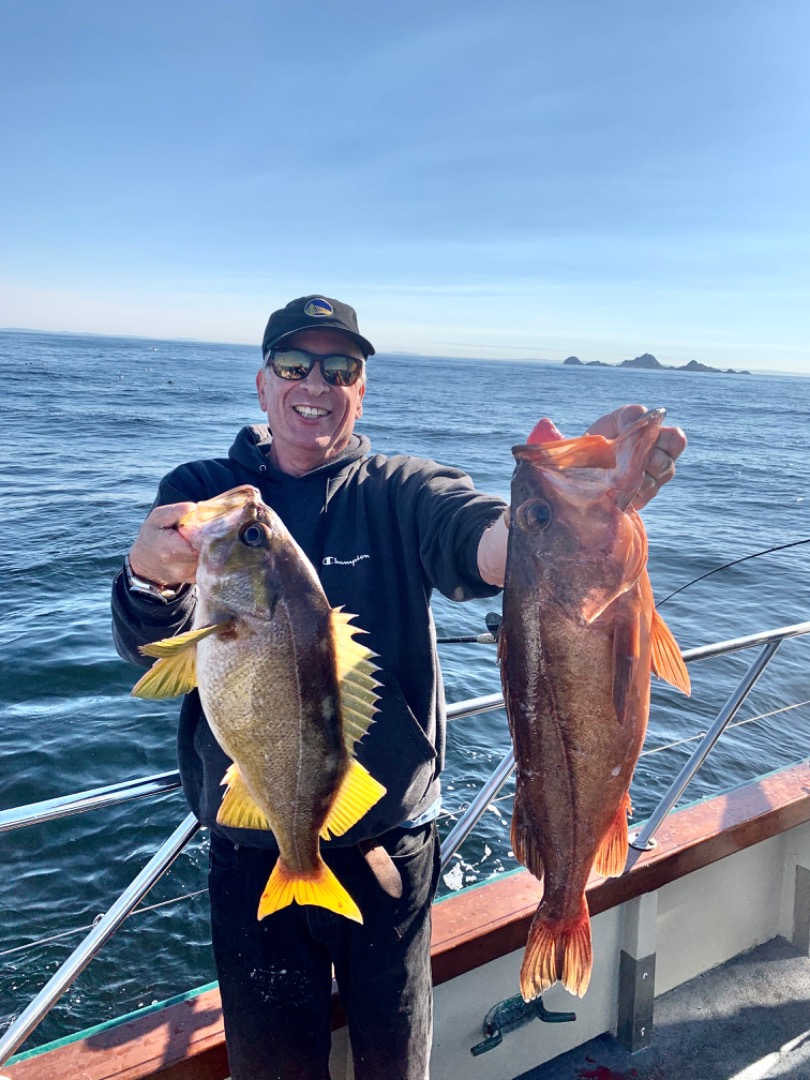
pixel 261 388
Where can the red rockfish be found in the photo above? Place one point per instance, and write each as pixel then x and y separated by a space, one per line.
pixel 579 637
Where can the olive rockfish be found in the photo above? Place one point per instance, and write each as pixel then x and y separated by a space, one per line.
pixel 286 688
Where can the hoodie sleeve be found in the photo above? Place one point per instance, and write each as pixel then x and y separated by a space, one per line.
pixel 451 517
pixel 138 620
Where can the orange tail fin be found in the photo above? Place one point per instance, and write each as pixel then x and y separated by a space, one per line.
pixel 321 888
pixel 611 858
pixel 557 949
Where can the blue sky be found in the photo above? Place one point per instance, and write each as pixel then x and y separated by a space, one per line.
pixel 514 179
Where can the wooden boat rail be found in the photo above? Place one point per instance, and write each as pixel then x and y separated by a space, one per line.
pixel 456 950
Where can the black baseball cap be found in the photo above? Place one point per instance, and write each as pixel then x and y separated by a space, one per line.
pixel 313 313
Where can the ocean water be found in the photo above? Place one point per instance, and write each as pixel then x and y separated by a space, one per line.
pixel 89 425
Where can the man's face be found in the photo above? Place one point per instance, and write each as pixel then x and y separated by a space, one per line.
pixel 311 421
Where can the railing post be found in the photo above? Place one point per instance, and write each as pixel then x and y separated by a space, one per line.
pixel 679 784
pixel 78 960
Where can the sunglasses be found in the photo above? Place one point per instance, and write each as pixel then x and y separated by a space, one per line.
pixel 296 364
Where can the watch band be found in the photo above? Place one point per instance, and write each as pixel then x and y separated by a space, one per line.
pixel 144 587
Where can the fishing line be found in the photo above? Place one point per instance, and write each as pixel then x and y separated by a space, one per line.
pixel 83 929
pixel 734 562
pixel 458 811
pixel 493 620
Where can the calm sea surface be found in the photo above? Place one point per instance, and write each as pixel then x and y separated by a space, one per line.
pixel 89 425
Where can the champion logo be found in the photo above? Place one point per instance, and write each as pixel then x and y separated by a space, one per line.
pixel 318 308
pixel 330 560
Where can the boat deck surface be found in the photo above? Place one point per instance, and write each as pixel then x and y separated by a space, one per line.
pixel 748 1019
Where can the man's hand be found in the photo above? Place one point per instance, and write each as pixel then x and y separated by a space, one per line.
pixel 160 553
pixel 671 444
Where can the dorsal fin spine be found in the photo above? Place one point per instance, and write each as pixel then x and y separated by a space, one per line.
pixel 356 680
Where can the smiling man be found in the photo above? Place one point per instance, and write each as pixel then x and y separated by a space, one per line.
pixel 382 533
pixel 312 417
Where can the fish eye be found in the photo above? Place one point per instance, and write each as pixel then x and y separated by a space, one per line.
pixel 253 535
pixel 533 515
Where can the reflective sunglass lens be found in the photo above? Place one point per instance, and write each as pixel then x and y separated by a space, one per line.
pixel 291 365
pixel 295 364
pixel 341 370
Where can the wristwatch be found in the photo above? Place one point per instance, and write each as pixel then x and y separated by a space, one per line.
pixel 149 588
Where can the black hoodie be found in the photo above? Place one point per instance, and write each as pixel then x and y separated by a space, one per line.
pixel 382 533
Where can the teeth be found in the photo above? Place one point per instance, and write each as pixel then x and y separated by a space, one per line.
pixel 310 413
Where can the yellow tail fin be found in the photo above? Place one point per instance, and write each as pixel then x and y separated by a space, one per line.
pixel 557 949
pixel 320 888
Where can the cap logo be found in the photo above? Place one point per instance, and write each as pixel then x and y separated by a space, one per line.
pixel 319 308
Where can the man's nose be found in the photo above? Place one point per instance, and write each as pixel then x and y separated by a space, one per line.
pixel 315 382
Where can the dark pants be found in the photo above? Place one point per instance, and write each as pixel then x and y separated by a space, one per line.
pixel 275 976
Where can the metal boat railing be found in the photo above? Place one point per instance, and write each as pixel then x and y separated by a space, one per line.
pixel 163 783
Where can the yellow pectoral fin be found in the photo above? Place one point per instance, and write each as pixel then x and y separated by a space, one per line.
pixel 358 792
pixel 176 671
pixel 238 808
pixel 172 646
pixel 168 677
pixel 667 662
pixel 321 888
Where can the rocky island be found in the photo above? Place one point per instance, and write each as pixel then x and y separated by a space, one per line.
pixel 648 362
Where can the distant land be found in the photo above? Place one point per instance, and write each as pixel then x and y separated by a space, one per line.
pixel 649 363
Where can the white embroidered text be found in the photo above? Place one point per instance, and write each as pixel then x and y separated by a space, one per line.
pixel 330 560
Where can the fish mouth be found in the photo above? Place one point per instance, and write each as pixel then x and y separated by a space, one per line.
pixel 633 447
pixel 651 417
pixel 216 517
pixel 591 457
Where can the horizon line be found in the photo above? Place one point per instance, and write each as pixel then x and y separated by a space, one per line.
pixel 402 352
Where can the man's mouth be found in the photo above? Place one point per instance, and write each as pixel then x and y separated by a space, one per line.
pixel 310 412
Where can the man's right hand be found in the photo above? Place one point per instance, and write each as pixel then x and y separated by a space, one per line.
pixel 160 553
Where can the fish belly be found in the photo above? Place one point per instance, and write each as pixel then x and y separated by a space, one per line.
pixel 575 759
pixel 276 716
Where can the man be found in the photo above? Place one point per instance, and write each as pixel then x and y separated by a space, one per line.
pixel 382 534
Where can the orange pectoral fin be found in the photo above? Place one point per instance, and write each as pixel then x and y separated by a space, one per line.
pixel 666 661
pixel 625 664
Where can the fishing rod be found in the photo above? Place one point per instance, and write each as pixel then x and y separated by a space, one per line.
pixel 493 619
pixel 493 622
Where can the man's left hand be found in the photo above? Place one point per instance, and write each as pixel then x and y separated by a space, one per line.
pixel 670 444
